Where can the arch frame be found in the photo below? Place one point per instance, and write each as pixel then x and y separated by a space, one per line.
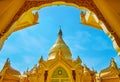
pixel 30 5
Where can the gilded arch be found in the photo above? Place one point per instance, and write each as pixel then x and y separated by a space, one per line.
pixel 60 66
pixel 60 75
pixel 86 4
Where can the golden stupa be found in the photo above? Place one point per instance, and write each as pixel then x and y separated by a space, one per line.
pixel 60 46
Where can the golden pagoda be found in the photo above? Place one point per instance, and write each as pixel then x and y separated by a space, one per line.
pixel 60 67
pixel 110 74
pixel 8 74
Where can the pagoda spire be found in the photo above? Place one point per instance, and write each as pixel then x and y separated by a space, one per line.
pixel 41 60
pixel 7 63
pixel 79 60
pixel 60 39
pixel 60 32
pixel 113 63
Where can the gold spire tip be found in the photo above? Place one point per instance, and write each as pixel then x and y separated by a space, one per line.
pixel 60 32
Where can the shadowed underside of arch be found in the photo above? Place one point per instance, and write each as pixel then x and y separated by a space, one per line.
pixel 30 5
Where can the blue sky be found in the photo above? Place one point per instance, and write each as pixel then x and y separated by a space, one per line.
pixel 25 47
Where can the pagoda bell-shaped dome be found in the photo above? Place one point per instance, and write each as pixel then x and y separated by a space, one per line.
pixel 60 49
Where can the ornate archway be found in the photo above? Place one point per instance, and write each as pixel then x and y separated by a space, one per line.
pixel 30 5
pixel 60 75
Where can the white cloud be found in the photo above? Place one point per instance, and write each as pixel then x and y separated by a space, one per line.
pixel 88 39
pixel 27 59
pixel 95 62
pixel 78 47
pixel 9 48
pixel 27 41
pixel 101 44
pixel 78 40
pixel 83 36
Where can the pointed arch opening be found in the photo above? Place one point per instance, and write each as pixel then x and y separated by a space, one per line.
pixel 60 75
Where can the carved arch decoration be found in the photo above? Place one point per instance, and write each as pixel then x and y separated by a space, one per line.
pixel 30 5
pixel 60 75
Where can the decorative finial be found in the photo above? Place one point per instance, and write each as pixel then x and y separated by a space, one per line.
pixel 79 60
pixel 7 63
pixel 41 59
pixel 8 60
pixel 60 32
pixel 113 63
